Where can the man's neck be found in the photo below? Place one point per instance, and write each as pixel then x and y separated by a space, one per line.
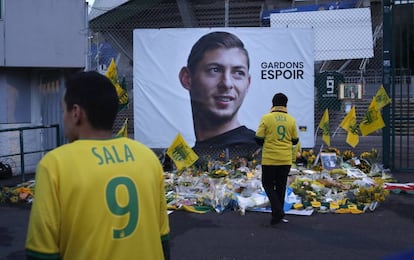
pixel 94 134
pixel 279 109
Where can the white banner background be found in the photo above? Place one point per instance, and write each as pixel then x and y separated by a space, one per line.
pixel 162 106
pixel 339 34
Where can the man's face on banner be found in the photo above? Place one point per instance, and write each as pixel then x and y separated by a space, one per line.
pixel 220 83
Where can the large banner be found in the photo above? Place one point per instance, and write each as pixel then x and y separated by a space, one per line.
pixel 281 60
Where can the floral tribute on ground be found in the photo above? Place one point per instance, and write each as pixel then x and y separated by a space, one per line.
pixel 358 184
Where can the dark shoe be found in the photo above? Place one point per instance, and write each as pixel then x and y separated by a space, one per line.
pixel 268 225
pixel 274 221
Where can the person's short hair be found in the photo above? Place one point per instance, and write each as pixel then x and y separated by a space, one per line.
pixel 212 41
pixel 96 94
pixel 279 99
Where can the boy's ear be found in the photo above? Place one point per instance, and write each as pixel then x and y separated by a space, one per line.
pixel 77 114
pixel 185 78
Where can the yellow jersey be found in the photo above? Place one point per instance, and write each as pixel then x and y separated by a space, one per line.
pixel 277 129
pixel 99 199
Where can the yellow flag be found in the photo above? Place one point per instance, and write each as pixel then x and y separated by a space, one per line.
pixel 349 124
pixel 372 120
pixel 193 209
pixel 381 98
pixel 324 125
pixel 181 153
pixel 122 93
pixel 123 132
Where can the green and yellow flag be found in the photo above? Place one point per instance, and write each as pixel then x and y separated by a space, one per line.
pixel 381 98
pixel 349 124
pixel 324 125
pixel 181 153
pixel 123 132
pixel 112 74
pixel 372 120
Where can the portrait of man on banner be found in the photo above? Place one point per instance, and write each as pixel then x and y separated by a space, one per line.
pixel 217 78
pixel 219 101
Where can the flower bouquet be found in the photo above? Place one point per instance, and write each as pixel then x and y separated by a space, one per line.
pixel 372 195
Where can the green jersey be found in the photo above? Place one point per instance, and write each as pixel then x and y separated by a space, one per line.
pixel 277 129
pixel 99 199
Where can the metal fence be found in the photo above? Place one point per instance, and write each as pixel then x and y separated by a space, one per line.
pixel 398 80
pixel 26 145
pixel 115 28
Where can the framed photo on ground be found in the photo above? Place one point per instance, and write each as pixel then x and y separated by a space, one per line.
pixel 329 161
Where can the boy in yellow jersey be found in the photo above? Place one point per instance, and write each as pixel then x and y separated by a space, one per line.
pixel 97 197
pixel 277 132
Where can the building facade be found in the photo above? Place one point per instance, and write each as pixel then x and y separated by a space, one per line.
pixel 40 42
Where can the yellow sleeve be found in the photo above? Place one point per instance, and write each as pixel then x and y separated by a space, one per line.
pixel 164 222
pixel 261 130
pixel 43 231
pixel 295 150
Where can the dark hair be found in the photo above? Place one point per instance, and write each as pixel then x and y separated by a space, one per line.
pixel 96 94
pixel 279 99
pixel 212 41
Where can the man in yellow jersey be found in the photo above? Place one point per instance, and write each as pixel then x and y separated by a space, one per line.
pixel 97 197
pixel 277 132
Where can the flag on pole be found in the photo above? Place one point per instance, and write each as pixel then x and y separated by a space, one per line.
pixel 181 153
pixel 121 91
pixel 123 132
pixel 324 125
pixel 372 120
pixel 381 98
pixel 349 124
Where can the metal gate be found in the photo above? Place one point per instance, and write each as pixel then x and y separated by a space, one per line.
pixel 398 61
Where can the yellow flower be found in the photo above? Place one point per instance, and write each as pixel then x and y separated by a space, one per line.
pixel 347 155
pixel 374 193
pixel 335 150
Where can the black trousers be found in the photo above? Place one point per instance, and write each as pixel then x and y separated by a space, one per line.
pixel 274 178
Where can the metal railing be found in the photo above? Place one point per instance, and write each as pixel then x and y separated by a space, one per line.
pixel 49 140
